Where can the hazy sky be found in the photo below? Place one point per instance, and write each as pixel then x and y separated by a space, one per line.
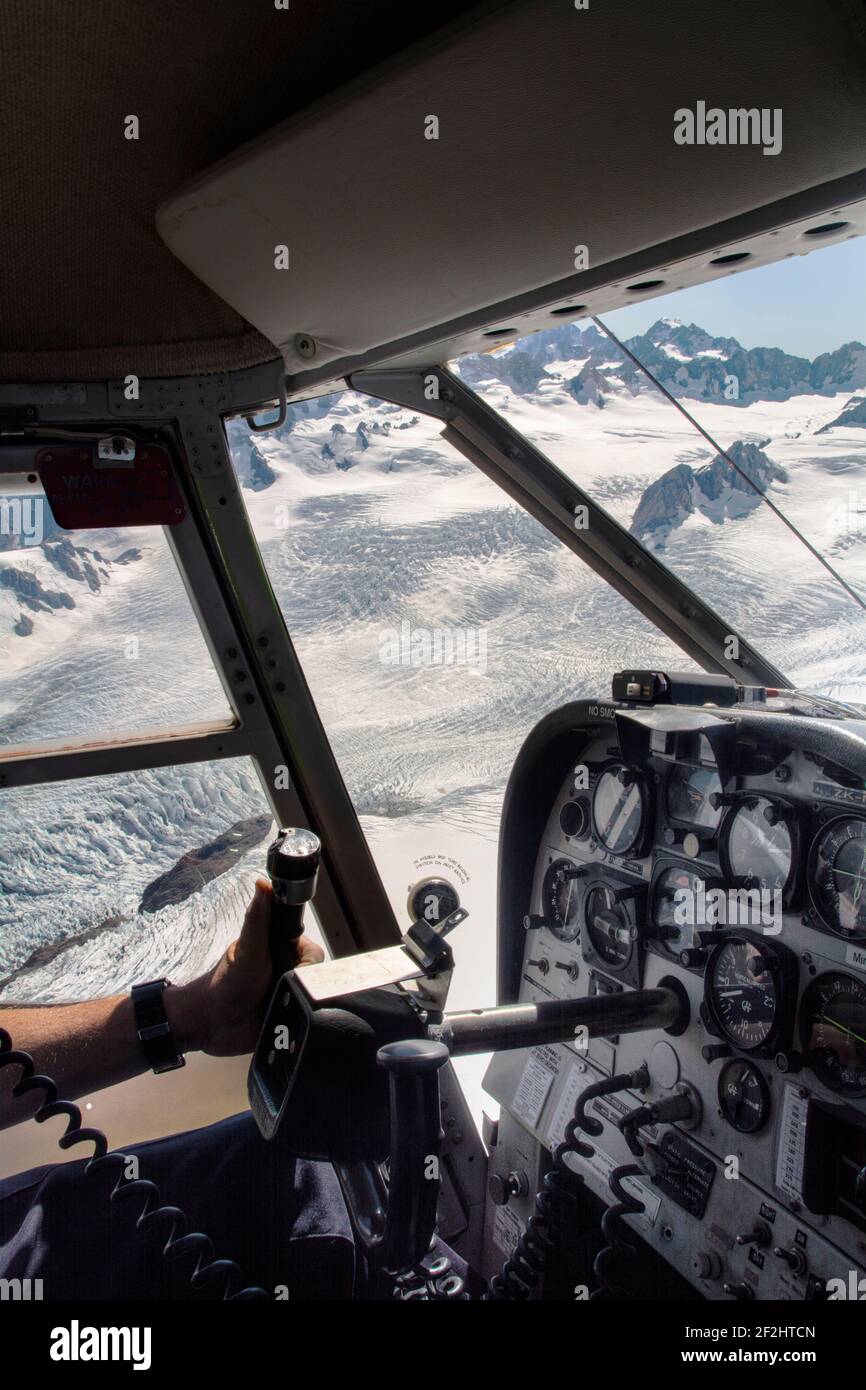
pixel 806 305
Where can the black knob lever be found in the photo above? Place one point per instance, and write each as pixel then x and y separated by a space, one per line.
pixel 293 865
pixel 413 1189
pixel 395 1226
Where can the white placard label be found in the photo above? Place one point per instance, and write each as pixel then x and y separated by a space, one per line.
pixel 856 956
pixel 575 1082
pixel 352 973
pixel 533 1090
pixel 792 1143
pixel 506 1229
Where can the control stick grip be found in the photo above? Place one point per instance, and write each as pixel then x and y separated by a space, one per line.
pixel 413 1185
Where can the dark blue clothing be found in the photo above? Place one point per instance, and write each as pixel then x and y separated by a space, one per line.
pixel 282 1219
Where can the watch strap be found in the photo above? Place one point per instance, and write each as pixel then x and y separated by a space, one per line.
pixel 153 1027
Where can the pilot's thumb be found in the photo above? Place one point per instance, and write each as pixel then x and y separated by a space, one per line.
pixel 253 941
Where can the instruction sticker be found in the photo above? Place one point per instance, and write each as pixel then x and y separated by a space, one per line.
pixel 575 1082
pixel 533 1090
pixel 506 1229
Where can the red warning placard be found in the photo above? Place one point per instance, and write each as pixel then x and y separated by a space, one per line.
pixel 85 492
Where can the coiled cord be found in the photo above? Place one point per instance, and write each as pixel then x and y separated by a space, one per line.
pixel 523 1270
pixel 433 1280
pixel 208 1271
pixel 613 1228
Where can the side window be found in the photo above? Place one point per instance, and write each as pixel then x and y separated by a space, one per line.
pixel 97 634
pixel 112 880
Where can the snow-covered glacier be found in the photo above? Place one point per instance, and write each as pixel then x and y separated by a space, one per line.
pixel 371 526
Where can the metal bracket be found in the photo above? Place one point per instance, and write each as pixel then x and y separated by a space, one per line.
pixel 426 391
pixel 115 448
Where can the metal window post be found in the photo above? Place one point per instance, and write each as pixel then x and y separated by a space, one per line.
pixel 542 489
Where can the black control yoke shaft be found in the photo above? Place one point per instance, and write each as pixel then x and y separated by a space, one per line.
pixel 529 1025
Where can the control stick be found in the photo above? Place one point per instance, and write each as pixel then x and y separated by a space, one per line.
pixel 394 1228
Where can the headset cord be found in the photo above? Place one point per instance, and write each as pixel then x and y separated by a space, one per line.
pixel 613 1227
pixel 433 1280
pixel 523 1270
pixel 179 1241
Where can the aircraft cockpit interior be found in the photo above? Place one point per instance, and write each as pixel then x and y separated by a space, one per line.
pixel 432 711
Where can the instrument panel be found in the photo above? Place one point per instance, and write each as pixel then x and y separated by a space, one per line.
pixel 727 852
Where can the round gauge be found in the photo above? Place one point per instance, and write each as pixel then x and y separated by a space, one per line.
pixel 562 899
pixel 618 809
pixel 758 845
pixel 741 993
pixel 680 909
pixel 744 1096
pixel 611 934
pixel 833 1031
pixel 837 877
pixel 687 796
pixel 574 819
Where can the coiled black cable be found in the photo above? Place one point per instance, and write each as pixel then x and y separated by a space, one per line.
pixel 208 1271
pixel 630 1125
pixel 524 1268
pixel 613 1228
pixel 433 1280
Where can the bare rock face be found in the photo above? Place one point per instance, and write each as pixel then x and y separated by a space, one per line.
pixel 716 490
pixel 666 503
pixel 201 865
pixel 689 361
pixel 853 415
pixel 31 593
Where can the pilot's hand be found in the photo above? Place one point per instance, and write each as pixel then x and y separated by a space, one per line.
pixel 229 1001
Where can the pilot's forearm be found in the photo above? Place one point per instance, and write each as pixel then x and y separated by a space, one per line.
pixel 85 1047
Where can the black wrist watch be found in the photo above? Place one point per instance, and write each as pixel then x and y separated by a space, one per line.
pixel 154 1029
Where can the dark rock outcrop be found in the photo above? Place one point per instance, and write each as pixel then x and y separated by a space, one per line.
pixel 193 870
pixel 31 593
pixel 853 414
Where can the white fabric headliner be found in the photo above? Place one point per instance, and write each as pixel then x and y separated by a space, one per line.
pixel 555 130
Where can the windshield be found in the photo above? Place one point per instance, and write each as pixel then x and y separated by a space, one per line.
pixel 758 501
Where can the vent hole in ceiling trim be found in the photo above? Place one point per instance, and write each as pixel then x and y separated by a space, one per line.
pixel 826 229
pixel 731 258
pixel 568 309
pixel 643 285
